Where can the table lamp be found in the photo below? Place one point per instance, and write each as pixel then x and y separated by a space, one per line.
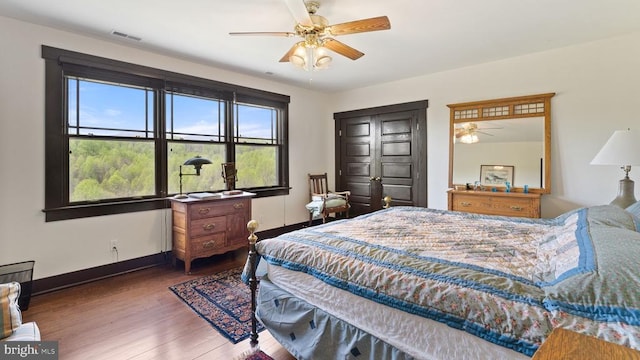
pixel 197 163
pixel 622 149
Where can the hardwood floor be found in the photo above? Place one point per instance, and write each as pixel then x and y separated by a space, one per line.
pixel 136 316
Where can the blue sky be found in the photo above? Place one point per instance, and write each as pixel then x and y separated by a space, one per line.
pixel 120 107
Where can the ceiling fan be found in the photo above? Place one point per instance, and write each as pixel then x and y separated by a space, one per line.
pixel 468 132
pixel 317 35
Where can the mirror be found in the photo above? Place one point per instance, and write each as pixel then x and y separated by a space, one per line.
pixel 501 140
pixel 516 143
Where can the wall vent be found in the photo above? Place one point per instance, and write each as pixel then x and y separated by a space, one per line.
pixel 125 35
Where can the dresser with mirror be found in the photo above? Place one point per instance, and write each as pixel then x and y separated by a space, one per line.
pixel 500 155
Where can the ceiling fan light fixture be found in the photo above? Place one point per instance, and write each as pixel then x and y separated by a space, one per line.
pixel 299 56
pixel 323 62
pixel 310 58
pixel 469 138
pixel 321 58
pixel 297 60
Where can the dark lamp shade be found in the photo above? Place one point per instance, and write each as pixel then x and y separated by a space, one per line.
pixel 197 161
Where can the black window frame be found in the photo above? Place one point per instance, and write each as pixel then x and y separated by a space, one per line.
pixel 59 62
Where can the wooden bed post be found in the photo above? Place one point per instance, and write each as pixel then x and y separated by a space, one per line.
pixel 387 201
pixel 252 226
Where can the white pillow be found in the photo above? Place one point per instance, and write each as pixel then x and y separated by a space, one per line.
pixel 634 209
pixel 10 315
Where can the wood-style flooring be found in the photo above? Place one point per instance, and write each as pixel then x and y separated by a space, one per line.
pixel 136 316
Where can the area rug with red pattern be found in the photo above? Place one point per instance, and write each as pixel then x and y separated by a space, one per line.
pixel 259 356
pixel 224 301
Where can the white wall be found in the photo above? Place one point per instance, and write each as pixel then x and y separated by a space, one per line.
pixel 597 86
pixel 65 246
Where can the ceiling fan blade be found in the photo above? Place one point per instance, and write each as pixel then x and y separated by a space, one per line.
pixel 263 33
pixel 358 26
pixel 342 49
pixel 299 11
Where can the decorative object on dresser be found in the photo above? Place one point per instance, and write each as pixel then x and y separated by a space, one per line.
pixel 202 228
pixel 623 149
pixel 496 174
pixel 197 163
pixel 520 136
pixel 229 175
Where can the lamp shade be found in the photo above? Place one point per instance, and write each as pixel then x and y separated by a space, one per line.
pixel 197 161
pixel 622 148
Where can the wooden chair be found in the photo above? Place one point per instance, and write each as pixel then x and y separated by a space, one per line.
pixel 324 201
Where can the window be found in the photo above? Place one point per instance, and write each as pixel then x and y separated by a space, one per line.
pixel 111 147
pixel 195 127
pixel 256 145
pixel 118 134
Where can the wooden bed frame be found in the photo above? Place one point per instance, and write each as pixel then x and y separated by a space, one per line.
pixel 252 261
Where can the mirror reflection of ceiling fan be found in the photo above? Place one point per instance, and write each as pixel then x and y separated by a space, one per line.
pixel 467 133
pixel 317 35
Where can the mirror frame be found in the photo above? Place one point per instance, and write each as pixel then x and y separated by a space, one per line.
pixel 506 108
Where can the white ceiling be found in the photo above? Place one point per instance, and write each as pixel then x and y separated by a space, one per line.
pixel 426 36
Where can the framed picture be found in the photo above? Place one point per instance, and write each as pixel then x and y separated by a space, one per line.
pixel 492 175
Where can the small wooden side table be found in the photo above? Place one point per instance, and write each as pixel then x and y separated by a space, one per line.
pixel 568 345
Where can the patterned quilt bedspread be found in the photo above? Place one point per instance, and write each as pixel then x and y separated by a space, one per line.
pixel 507 280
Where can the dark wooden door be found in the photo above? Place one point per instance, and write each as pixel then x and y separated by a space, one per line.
pixel 382 152
pixel 357 161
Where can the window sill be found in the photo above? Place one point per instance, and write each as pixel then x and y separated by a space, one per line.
pixel 98 209
pixel 272 191
pixel 121 207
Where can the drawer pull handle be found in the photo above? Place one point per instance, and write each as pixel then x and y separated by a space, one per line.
pixel 203 211
pixel 464 203
pixel 208 244
pixel 516 207
pixel 208 226
pixel 238 205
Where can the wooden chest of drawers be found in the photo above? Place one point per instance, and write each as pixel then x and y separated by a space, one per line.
pixel 568 345
pixel 495 203
pixel 202 228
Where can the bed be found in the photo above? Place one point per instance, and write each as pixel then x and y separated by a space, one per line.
pixel 417 283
